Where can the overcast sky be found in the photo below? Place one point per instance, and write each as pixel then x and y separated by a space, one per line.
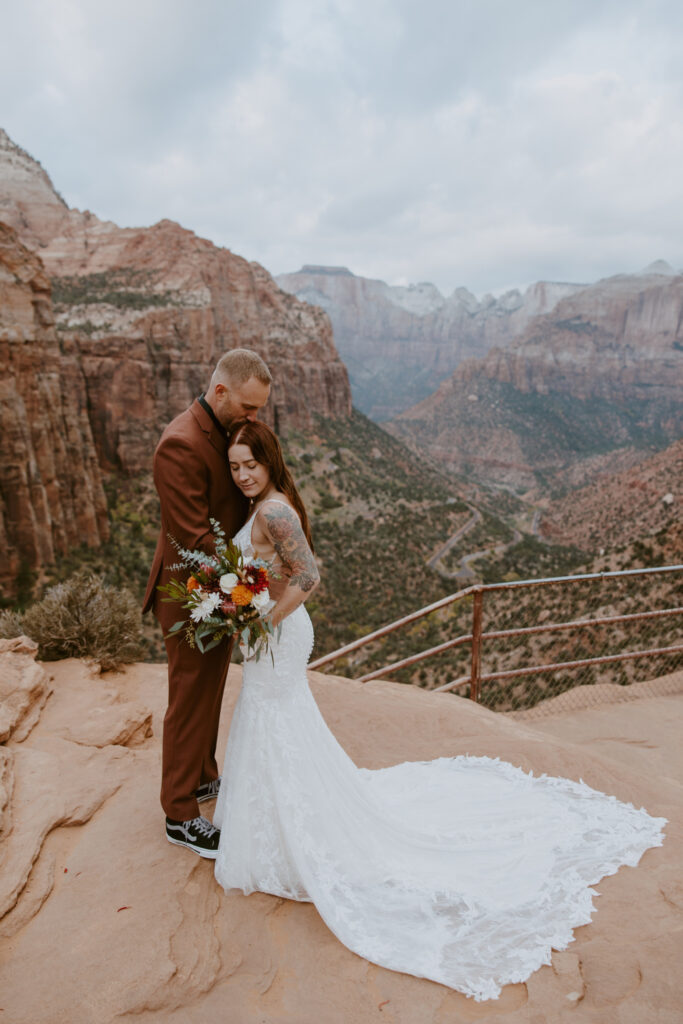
pixel 488 143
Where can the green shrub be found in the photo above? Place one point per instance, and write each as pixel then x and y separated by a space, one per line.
pixel 85 618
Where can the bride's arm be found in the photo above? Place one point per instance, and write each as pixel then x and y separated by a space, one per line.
pixel 282 525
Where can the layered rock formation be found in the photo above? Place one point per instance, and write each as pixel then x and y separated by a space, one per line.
pixel 28 200
pixel 102 920
pixel 156 307
pixel 603 371
pixel 142 315
pixel 399 343
pixel 51 495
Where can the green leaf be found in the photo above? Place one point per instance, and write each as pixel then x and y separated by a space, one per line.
pixel 175 590
pixel 214 643
pixel 213 620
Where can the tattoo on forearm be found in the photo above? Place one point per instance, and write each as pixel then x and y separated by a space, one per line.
pixel 292 547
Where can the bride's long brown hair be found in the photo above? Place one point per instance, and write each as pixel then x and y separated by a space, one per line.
pixel 265 447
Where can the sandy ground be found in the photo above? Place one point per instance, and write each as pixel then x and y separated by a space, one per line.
pixel 105 921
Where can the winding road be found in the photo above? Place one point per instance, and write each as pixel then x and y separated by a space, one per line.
pixel 465 571
pixel 433 562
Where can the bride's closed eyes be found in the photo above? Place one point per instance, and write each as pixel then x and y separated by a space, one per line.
pixel 250 475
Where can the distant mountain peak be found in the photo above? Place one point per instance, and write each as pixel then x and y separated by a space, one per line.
pixel 660 267
pixel 29 202
pixel 17 166
pixel 421 299
pixel 315 268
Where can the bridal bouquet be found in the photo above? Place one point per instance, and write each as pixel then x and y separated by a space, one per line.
pixel 225 595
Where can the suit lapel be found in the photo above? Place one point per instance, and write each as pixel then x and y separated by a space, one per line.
pixel 209 427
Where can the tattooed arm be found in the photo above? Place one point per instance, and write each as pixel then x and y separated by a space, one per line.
pixel 281 524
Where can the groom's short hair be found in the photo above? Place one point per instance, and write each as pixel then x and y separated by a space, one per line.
pixel 238 365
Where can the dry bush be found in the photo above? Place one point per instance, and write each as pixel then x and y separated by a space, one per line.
pixel 85 618
pixel 11 625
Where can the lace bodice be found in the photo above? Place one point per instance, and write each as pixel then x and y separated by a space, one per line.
pixel 288 657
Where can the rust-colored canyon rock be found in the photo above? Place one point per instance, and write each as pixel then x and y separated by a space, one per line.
pixel 51 495
pixel 136 321
pixel 155 308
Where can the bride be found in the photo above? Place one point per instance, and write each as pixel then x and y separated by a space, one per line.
pixel 465 870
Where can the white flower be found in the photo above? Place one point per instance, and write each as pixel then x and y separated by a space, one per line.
pixel 206 608
pixel 228 581
pixel 260 601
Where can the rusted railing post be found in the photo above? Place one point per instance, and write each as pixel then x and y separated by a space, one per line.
pixel 477 618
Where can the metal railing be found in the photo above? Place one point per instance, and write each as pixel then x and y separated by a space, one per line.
pixel 653 624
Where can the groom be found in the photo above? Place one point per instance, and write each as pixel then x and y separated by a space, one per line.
pixel 194 484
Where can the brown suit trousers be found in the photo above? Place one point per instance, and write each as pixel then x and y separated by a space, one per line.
pixel 194 484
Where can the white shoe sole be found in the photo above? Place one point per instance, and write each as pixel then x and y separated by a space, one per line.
pixel 206 854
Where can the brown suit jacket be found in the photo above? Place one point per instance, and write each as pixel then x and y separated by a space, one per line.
pixel 192 478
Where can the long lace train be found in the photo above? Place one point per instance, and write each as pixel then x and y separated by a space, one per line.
pixel 464 870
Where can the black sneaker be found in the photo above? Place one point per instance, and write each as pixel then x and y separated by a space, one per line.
pixel 198 835
pixel 208 790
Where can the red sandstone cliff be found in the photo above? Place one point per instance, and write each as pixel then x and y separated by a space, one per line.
pixel 142 315
pixel 51 493
pixel 156 307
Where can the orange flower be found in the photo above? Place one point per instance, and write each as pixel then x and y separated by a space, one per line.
pixel 241 595
pixel 192 584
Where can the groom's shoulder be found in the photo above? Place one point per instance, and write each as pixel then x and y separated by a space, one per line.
pixel 183 427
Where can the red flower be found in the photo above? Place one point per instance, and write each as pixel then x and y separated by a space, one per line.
pixel 256 579
pixel 228 607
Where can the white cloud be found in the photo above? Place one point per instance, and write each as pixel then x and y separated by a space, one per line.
pixel 482 144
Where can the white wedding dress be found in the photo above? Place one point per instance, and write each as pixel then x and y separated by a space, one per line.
pixel 465 870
